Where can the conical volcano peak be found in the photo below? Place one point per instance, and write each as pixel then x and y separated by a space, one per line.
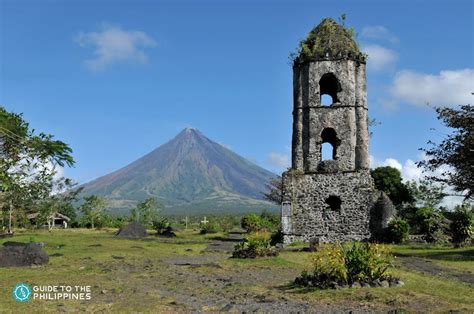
pixel 189 131
pixel 190 172
pixel 189 134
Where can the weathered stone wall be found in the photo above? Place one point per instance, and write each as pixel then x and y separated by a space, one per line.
pixel 329 200
pixel 348 116
pixel 307 215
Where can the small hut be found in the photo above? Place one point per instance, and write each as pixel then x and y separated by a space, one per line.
pixel 56 220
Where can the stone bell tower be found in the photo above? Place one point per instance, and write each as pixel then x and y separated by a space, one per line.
pixel 328 197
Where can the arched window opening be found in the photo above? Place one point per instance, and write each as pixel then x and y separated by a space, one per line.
pixel 329 144
pixel 327 151
pixel 328 88
pixel 334 203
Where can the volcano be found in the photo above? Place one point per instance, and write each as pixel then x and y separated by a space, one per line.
pixel 190 174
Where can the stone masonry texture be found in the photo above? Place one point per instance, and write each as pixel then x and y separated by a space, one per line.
pixel 329 200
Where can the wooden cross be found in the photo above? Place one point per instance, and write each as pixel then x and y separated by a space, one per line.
pixel 204 221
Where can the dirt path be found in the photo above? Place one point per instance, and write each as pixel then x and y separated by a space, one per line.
pixel 226 244
pixel 204 283
pixel 428 267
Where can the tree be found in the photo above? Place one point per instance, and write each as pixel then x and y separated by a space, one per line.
pixel 274 191
pixel 389 180
pixel 92 208
pixel 462 225
pixel 426 193
pixel 146 212
pixel 59 203
pixel 455 152
pixel 28 163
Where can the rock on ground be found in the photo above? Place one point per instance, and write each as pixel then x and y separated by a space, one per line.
pixel 132 230
pixel 17 254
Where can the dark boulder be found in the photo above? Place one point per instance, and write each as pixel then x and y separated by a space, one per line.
pixel 132 230
pixel 17 254
pixel 167 232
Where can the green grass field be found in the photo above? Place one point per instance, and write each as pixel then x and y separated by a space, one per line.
pixel 186 274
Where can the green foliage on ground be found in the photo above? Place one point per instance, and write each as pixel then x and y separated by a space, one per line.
pixel 210 227
pixel 160 225
pixel 397 231
pixel 266 221
pixel 146 212
pixel 257 244
pixel 92 210
pixel 348 263
pixel 462 225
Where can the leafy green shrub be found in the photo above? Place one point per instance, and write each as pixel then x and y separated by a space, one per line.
pixel 349 263
pixel 251 222
pixel 397 231
pixel 160 225
pixel 266 221
pixel 210 227
pixel 227 222
pixel 271 220
pixel 366 262
pixel 432 224
pixel 257 244
pixel 461 227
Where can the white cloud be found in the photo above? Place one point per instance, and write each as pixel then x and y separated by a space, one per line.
pixel 380 58
pixel 279 161
pixel 408 169
pixel 448 88
pixel 113 44
pixel 378 32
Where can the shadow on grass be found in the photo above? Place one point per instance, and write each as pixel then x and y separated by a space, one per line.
pixel 224 239
pixel 291 287
pixel 452 255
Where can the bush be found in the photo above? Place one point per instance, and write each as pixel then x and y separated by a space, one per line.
pixel 255 245
pixel 428 221
pixel 160 225
pixel 346 264
pixel 251 223
pixel 210 227
pixel 264 222
pixel 397 231
pixel 461 227
pixel 227 222
pixel 366 262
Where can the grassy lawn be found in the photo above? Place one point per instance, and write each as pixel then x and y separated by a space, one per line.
pixel 179 274
pixel 459 259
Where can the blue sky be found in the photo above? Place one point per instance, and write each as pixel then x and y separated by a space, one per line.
pixel 116 79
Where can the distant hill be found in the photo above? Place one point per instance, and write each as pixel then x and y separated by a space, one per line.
pixel 189 175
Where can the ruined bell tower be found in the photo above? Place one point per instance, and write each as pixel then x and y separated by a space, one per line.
pixel 328 193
